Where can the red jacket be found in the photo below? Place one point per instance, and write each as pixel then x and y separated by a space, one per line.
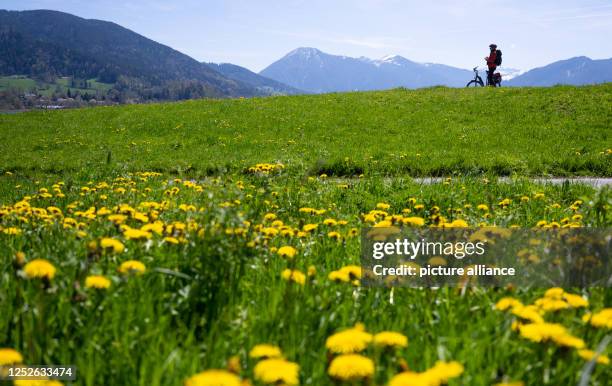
pixel 491 59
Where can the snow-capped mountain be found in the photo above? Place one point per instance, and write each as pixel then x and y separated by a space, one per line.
pixel 509 73
pixel 313 70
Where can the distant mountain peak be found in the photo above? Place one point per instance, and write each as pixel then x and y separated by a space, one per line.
pixel 394 59
pixel 578 70
pixel 312 70
pixel 304 52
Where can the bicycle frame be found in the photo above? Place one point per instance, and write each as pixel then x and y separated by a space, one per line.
pixel 477 81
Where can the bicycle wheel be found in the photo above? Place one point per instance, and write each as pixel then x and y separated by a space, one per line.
pixel 474 83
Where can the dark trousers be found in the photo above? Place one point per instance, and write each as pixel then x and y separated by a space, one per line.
pixel 490 76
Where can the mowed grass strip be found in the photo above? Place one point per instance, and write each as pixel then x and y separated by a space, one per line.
pixel 438 131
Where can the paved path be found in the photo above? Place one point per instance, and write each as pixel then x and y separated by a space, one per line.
pixel 596 182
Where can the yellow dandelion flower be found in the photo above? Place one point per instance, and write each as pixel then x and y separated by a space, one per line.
pixel 507 303
pixel 294 275
pixel 588 355
pixel 575 301
pixel 350 367
pixel 542 332
pixel 277 371
pixel 330 222
pixel 312 271
pixel 309 227
pixel 97 281
pixel 39 268
pixel 171 240
pixel 117 218
pixel 20 258
pixel 443 371
pixel 8 356
pixel 551 304
pixel 269 217
pixel 538 332
pixel 567 340
pixel 390 339
pixel 287 251
pixel 413 221
pixel 456 224
pixel 213 378
pixel 349 341
pixel 353 271
pixel 409 378
pixel 554 293
pixel 39 382
pixel 233 364
pixel 265 351
pixel 530 312
pixel 601 319
pixel 334 235
pixel 110 243
pixel 437 375
pixel 132 266
pixel 136 234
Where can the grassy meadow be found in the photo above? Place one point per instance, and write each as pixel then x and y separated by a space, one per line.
pixel 438 131
pixel 152 244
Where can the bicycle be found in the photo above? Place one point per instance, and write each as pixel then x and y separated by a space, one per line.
pixel 477 81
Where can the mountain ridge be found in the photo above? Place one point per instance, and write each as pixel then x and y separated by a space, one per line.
pixel 313 70
pixel 578 70
pixel 261 83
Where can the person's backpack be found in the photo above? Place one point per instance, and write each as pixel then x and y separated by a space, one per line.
pixel 498 58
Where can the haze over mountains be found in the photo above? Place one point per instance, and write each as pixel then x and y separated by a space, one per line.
pixel 45 45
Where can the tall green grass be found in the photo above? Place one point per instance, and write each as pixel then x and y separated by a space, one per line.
pixel 216 296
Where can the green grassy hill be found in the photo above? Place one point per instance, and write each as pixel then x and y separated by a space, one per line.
pixel 438 131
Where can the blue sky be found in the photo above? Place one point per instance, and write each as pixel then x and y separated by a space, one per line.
pixel 254 33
